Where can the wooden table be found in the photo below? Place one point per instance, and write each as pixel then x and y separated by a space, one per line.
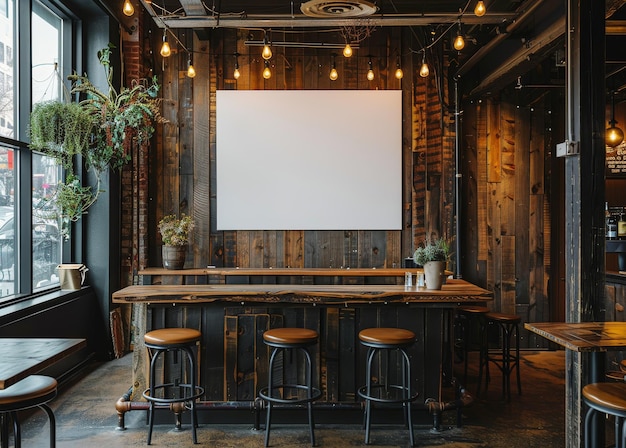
pixel 21 357
pixel 595 338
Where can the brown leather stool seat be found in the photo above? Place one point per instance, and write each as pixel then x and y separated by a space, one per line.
pixel 33 391
pixel 387 340
pixel 181 340
pixel 468 316
pixel 606 398
pixel 504 359
pixel 281 339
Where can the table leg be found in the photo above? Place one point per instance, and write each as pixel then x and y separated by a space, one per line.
pixel 596 371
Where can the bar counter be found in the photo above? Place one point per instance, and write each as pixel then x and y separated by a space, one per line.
pixel 232 318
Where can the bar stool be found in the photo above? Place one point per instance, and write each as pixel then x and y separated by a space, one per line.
pixel 33 391
pixel 467 317
pixel 508 326
pixel 386 340
pixel 180 340
pixel 281 339
pixel 606 398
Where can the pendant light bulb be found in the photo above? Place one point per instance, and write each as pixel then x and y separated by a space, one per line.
pixel 267 51
pixel 165 48
pixel 480 9
pixel 128 8
pixel 236 73
pixel 267 73
pixel 614 135
pixel 459 42
pixel 424 71
pixel 333 74
pixel 191 72
pixel 370 72
pixel 399 72
pixel 347 51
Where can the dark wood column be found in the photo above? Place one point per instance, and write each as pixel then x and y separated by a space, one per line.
pixel 584 189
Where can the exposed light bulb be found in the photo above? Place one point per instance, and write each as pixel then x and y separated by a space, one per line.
pixel 267 73
pixel 459 42
pixel 424 71
pixel 347 51
pixel 399 73
pixel 480 9
pixel 236 73
pixel 165 50
pixel 614 135
pixel 267 51
pixel 333 74
pixel 370 75
pixel 191 72
pixel 128 8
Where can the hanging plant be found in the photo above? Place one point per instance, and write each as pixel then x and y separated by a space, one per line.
pixel 102 128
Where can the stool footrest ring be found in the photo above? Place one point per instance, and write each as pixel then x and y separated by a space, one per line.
pixel 398 389
pixel 315 394
pixel 198 393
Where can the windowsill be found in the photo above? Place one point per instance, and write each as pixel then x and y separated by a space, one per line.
pixel 35 303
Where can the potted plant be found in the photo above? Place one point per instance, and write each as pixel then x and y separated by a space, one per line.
pixel 175 233
pixel 101 128
pixel 433 255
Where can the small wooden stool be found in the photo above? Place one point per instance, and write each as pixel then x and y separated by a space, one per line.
pixel 508 326
pixel 467 316
pixel 387 339
pixel 281 339
pixel 33 391
pixel 161 341
pixel 606 398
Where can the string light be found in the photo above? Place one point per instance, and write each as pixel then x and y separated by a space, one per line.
pixel 128 8
pixel 333 75
pixel 165 48
pixel 399 72
pixel 267 73
pixel 191 72
pixel 459 42
pixel 370 72
pixel 424 71
pixel 347 51
pixel 267 51
pixel 480 9
pixel 236 73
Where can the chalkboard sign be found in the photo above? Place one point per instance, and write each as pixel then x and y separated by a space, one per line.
pixel 616 160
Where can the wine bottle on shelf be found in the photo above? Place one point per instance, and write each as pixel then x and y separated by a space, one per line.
pixel 621 225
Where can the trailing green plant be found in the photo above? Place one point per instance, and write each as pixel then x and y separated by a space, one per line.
pixel 176 231
pixel 432 249
pixel 102 128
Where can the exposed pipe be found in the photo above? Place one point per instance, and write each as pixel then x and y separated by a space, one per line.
pixel 458 177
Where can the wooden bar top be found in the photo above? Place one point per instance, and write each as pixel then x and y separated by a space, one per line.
pixel 21 357
pixel 328 272
pixel 455 290
pixel 583 336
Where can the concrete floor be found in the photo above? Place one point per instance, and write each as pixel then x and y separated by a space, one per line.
pixel 86 417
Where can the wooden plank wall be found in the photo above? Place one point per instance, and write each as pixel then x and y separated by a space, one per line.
pixel 506 208
pixel 182 172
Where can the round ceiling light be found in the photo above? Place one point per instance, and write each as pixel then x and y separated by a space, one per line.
pixel 326 9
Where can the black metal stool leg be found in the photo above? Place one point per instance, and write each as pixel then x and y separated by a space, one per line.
pixel 270 386
pixel 52 422
pixel 406 388
pixel 368 403
pixel 309 383
pixel 17 432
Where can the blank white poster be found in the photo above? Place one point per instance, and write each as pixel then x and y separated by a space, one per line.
pixel 309 160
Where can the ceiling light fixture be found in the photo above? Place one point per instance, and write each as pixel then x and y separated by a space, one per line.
pixel 424 71
pixel 191 72
pixel 459 42
pixel 267 72
pixel 128 8
pixel 480 9
pixel 236 73
pixel 399 72
pixel 165 48
pixel 267 51
pixel 347 51
pixel 370 71
pixel 614 135
pixel 333 75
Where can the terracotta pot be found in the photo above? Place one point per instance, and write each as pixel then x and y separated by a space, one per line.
pixel 433 273
pixel 174 256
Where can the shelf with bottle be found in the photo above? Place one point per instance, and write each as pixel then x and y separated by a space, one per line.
pixel 615 222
